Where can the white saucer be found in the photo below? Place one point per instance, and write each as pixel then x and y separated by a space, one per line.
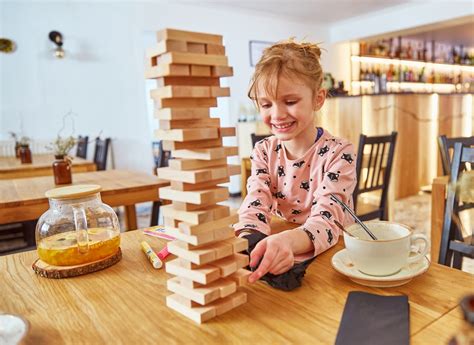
pixel 343 264
pixel 13 328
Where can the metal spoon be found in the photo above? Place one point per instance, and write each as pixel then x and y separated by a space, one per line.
pixel 348 209
pixel 339 225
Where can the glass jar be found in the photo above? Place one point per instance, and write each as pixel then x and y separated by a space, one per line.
pixel 25 154
pixel 62 170
pixel 78 228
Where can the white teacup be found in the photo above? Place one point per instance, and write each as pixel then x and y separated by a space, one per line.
pixel 386 255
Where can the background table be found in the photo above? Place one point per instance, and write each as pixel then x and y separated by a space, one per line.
pixel 11 167
pixel 24 199
pixel 125 303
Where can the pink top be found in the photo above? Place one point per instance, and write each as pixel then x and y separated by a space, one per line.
pixel 299 190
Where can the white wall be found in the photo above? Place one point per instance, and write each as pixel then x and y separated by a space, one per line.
pixel 101 78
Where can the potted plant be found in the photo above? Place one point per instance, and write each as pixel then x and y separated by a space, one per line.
pixel 14 136
pixel 25 152
pixel 62 164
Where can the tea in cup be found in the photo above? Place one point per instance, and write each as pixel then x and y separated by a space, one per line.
pixel 394 248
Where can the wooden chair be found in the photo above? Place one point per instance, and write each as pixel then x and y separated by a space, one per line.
pixel 246 164
pixel 453 245
pixel 446 146
pixel 161 158
pixel 101 152
pixel 373 174
pixel 81 150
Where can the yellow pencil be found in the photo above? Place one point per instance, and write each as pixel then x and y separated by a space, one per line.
pixel 151 255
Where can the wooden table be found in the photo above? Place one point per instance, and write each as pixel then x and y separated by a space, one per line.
pixel 438 202
pixel 126 304
pixel 23 199
pixel 11 167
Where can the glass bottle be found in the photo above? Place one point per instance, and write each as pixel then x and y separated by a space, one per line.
pixel 25 154
pixel 62 170
pixel 78 228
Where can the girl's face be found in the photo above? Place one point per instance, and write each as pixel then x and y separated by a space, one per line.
pixel 289 113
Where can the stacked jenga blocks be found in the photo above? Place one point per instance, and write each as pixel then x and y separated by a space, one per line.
pixel 209 265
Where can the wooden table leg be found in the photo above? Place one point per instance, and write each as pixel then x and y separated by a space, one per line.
pixel 438 202
pixel 130 217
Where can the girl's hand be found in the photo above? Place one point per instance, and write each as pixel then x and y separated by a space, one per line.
pixel 277 256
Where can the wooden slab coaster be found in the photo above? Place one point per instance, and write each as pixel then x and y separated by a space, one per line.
pixel 57 272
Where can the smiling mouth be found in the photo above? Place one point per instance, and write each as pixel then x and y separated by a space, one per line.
pixel 283 125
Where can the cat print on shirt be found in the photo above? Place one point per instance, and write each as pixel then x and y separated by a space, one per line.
pixel 278 148
pixel 262 171
pixel 281 171
pixel 330 236
pixel 323 150
pixel 347 157
pixel 298 164
pixel 305 185
pixel 255 203
pixel 326 214
pixel 261 217
pixel 334 177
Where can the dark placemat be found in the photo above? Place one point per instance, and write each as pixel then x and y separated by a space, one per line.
pixel 372 319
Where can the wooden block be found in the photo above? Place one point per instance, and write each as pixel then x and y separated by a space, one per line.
pixel 193 59
pixel 215 49
pixel 189 81
pixel 203 238
pixel 199 48
pixel 197 314
pixel 240 277
pixel 205 274
pixel 222 71
pixel 188 36
pixel 201 255
pixel 185 206
pixel 204 294
pixel 191 229
pixel 165 70
pixel 200 71
pixel 207 214
pixel 170 222
pixel 203 197
pixel 187 134
pixel 164 47
pixel 183 186
pixel 185 102
pixel 181 113
pixel 197 144
pixel 189 283
pixel 193 176
pixel 180 91
pixel 217 91
pixel 195 123
pixel 239 244
pixel 196 217
pixel 191 164
pixel 231 264
pixel 204 313
pixel 207 154
pixel 227 131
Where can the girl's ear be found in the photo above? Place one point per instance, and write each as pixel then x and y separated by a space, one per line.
pixel 319 98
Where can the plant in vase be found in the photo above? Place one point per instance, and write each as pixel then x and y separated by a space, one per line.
pixel 62 165
pixel 14 136
pixel 25 152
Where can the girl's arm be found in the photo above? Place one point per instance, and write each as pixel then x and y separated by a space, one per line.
pixel 254 213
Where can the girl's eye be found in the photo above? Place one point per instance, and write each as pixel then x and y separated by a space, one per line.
pixel 290 102
pixel 265 105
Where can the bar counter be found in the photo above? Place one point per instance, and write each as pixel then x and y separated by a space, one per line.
pixel 418 118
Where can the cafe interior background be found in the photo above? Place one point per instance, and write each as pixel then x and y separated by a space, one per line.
pixel 97 86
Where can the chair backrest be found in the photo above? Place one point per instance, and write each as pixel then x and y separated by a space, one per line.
pixel 81 149
pixel 101 153
pixel 160 156
pixel 257 138
pixel 374 169
pixel 451 226
pixel 446 147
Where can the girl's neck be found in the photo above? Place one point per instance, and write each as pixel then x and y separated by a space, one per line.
pixel 297 147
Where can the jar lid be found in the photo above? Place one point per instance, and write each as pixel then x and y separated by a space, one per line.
pixel 72 192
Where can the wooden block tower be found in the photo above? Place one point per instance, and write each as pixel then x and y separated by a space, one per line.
pixel 187 67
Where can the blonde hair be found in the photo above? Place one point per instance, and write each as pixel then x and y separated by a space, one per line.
pixel 291 59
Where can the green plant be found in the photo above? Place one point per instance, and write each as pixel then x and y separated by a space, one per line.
pixel 61 146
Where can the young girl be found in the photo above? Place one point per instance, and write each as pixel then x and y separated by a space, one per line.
pixel 295 170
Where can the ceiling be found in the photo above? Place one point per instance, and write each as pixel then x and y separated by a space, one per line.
pixel 318 11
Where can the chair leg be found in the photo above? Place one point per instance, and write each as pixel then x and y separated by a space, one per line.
pixel 155 213
pixel 457 260
pixel 29 232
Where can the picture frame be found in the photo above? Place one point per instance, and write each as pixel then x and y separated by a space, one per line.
pixel 256 49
